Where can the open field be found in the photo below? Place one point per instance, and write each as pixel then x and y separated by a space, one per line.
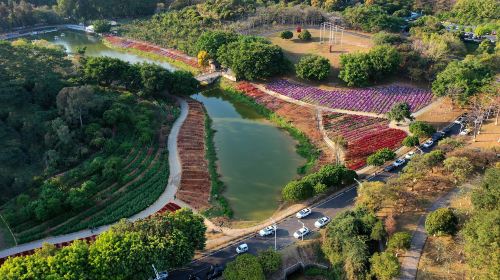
pixel 489 136
pixel 440 113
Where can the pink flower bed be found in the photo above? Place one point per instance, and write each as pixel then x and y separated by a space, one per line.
pixel 377 100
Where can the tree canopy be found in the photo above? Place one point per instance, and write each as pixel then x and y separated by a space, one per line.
pixel 313 67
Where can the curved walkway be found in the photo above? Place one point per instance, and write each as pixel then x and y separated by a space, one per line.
pixel 165 197
pixel 409 266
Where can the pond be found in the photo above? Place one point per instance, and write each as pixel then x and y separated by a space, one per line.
pixel 256 158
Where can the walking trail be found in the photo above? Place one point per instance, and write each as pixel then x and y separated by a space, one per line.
pixel 409 266
pixel 166 197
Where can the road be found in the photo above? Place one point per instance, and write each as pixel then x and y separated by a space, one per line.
pixel 330 207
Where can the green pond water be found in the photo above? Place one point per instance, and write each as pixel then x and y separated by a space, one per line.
pixel 255 158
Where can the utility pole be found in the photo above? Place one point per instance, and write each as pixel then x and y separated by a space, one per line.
pixel 303 226
pixel 275 232
pixel 357 181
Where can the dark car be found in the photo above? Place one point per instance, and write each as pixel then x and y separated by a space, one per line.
pixel 389 168
pixel 438 135
pixel 215 272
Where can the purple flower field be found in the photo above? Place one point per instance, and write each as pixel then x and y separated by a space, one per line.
pixel 377 100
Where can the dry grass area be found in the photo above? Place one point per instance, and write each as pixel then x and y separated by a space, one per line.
pixel 489 136
pixel 440 113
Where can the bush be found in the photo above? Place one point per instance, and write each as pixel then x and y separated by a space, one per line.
pixel 381 156
pixel 385 266
pixel 411 141
pixel 320 188
pixel 313 67
pixel 385 38
pixel 305 35
pixel 244 267
pixel 422 129
pixel 297 190
pixel 399 241
pixel 270 260
pixel 101 26
pixel 442 221
pixel 286 34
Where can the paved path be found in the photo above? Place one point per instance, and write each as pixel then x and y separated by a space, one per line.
pixel 165 197
pixel 409 266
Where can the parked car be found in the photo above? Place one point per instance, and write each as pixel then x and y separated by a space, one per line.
pixel 465 132
pixel 303 213
pixel 389 168
pixel 242 248
pixel 460 120
pixel 215 272
pixel 399 162
pixel 321 222
pixel 267 230
pixel 410 155
pixel 301 232
pixel 438 135
pixel 428 144
pixel 163 275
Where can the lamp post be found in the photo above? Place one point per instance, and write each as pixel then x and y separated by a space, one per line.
pixel 357 181
pixel 303 226
pixel 275 231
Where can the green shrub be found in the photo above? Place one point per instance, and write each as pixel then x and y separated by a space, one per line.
pixel 422 129
pixel 313 67
pixel 381 156
pixel 385 266
pixel 320 188
pixel 286 35
pixel 385 38
pixel 411 141
pixel 441 222
pixel 270 260
pixel 297 190
pixel 399 241
pixel 305 35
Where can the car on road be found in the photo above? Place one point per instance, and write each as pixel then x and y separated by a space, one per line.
pixel 242 248
pixel 465 132
pixel 321 222
pixel 428 144
pixel 438 135
pixel 410 155
pixel 301 232
pixel 460 120
pixel 303 213
pixel 215 272
pixel 399 162
pixel 389 168
pixel 267 230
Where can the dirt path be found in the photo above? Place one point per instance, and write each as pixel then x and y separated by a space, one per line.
pixel 165 197
pixel 409 266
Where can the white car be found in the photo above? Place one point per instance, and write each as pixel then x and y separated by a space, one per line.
pixel 460 120
pixel 399 162
pixel 242 248
pixel 303 213
pixel 428 143
pixel 410 155
pixel 321 222
pixel 301 232
pixel 465 132
pixel 267 231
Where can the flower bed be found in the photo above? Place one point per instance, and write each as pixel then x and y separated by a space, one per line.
pixel 364 135
pixel 146 47
pixel 377 100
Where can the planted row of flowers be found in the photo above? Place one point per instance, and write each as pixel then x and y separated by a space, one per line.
pixel 377 100
pixel 149 48
pixel 364 135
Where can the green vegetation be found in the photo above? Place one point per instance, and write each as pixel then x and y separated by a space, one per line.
pixel 212 41
pixel 476 11
pixel 422 129
pixel 372 18
pixel 371 195
pixel 361 69
pixel 385 38
pixel 313 67
pixel 101 26
pixel 304 147
pixel 400 112
pixel 270 260
pixel 305 35
pixel 286 35
pixel 245 267
pixel 411 141
pixel 384 266
pixel 332 176
pixel 442 221
pixel 222 208
pixel 399 241
pixel 125 251
pixel 380 157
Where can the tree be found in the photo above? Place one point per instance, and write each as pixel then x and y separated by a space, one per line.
pixel 313 67
pixel 212 41
pixel 399 112
pixel 182 83
pixel 320 188
pixel 399 241
pixel 411 141
pixel 384 60
pixel 244 267
pixel 381 156
pixel 203 58
pixel 372 195
pixel 422 129
pixel 71 262
pixel 461 80
pixel 460 167
pixel 371 18
pixel 487 195
pixel 384 266
pixel 305 35
pixel 252 58
pixel 476 11
pixel 154 79
pixel 355 69
pixel 442 221
pixel 286 35
pixel 101 26
pixel 270 260
pixel 297 190
pixel 486 46
pixel 104 70
pixel 385 38
pixel 74 103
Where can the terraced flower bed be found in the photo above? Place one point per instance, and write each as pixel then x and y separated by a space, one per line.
pixel 364 135
pixel 150 48
pixel 195 182
pixel 376 100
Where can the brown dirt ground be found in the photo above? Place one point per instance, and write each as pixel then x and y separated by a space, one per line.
pixel 489 136
pixel 440 113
